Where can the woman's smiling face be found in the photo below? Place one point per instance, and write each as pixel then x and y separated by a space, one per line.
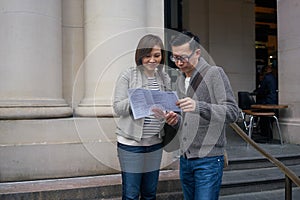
pixel 153 59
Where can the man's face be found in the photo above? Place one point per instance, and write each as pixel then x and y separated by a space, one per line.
pixel 185 59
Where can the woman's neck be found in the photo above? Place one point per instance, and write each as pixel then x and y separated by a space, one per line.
pixel 149 73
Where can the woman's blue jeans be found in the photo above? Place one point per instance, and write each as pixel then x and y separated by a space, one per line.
pixel 201 178
pixel 140 170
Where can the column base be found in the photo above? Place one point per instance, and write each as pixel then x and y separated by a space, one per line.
pixel 95 107
pixel 94 111
pixel 34 112
pixel 290 130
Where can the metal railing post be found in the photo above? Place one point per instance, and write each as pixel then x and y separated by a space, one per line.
pixel 288 188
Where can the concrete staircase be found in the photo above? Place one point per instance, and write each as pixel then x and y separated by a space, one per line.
pixel 249 176
pixel 254 177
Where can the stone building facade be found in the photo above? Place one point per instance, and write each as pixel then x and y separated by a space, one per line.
pixel 60 60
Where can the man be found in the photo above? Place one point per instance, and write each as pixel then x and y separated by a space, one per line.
pixel 266 93
pixel 208 104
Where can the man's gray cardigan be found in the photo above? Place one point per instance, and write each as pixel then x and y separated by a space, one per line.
pixel 203 131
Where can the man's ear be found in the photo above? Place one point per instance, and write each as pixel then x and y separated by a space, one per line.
pixel 198 53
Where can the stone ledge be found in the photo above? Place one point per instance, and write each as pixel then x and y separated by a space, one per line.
pixel 9 113
pixel 106 186
pixel 73 183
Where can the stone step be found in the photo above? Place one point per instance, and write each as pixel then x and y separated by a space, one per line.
pixel 250 163
pixel 109 186
pixel 81 188
pixel 254 180
pixel 93 187
pixel 264 195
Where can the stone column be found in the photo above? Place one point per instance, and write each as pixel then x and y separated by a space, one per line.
pixel 288 68
pixel 112 29
pixel 73 54
pixel 31 60
pixel 155 15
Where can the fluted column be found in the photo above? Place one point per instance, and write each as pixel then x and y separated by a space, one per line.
pixel 112 29
pixel 288 70
pixel 31 60
pixel 73 54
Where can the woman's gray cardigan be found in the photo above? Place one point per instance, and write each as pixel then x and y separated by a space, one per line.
pixel 134 77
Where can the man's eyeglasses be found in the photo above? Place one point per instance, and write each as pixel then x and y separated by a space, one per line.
pixel 183 58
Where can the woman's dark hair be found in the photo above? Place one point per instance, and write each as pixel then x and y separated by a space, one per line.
pixel 186 37
pixel 145 47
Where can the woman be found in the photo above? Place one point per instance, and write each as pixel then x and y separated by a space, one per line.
pixel 139 140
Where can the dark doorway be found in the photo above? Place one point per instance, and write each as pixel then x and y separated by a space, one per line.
pixel 266 45
pixel 265 36
pixel 173 21
pixel 173 14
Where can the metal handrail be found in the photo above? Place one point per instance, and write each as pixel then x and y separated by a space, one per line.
pixel 289 174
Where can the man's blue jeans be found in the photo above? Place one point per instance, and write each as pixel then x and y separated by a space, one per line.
pixel 140 170
pixel 201 178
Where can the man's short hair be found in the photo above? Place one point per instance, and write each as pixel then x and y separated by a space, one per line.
pixel 186 37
